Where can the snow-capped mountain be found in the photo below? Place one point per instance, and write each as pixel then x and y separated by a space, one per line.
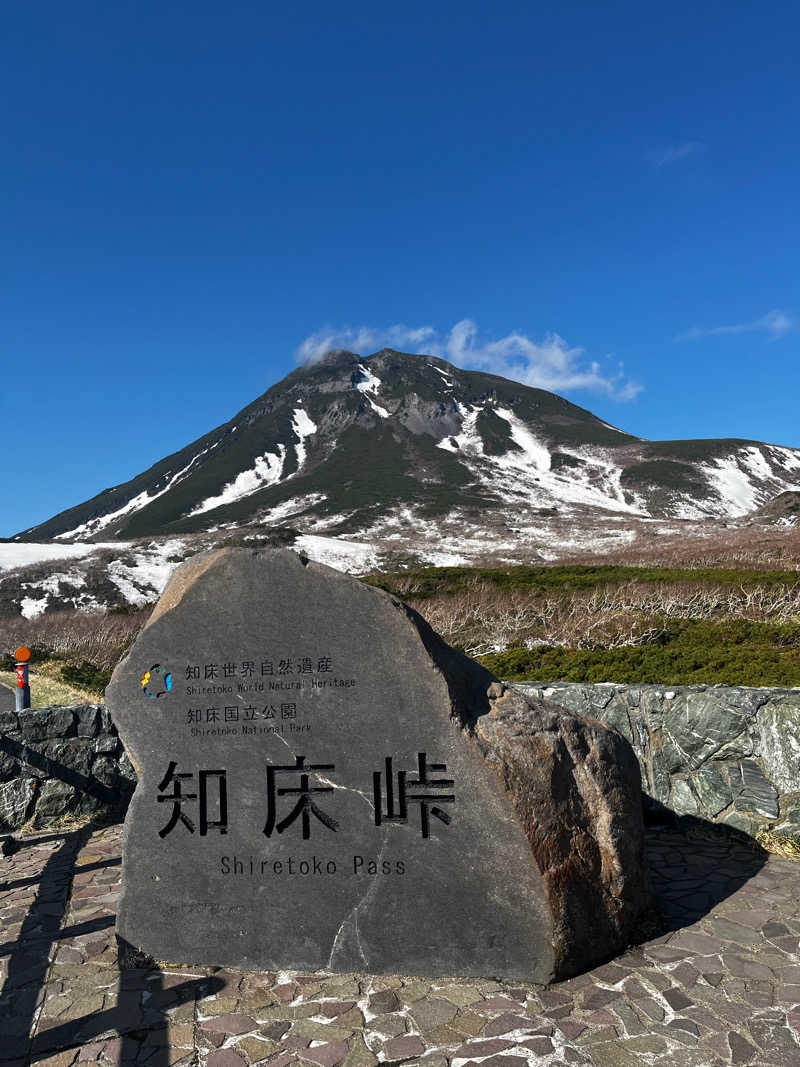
pixel 366 447
pixel 389 461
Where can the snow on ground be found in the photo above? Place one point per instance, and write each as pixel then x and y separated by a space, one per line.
pixel 23 553
pixel 342 555
pixel 534 454
pixel 141 500
pixel 469 440
pixel 526 473
pixel 148 574
pixel 289 507
pixel 608 426
pixel 267 470
pixel 41 591
pixel 784 457
pixel 738 493
pixel 370 383
pixel 303 428
pixel 447 380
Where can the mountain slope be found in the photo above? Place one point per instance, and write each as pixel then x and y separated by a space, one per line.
pixel 392 443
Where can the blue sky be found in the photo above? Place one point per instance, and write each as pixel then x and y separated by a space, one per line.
pixel 597 199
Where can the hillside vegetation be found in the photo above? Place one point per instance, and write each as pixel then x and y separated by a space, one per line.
pixel 584 622
pixel 612 623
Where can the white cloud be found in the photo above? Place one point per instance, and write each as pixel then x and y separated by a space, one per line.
pixel 547 364
pixel 662 157
pixel 775 324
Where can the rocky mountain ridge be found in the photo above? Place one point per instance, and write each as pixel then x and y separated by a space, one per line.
pixel 361 447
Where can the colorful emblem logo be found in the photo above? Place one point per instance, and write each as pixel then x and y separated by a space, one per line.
pixel 156 682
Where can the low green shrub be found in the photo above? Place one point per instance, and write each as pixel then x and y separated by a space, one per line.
pixel 736 652
pixel 86 676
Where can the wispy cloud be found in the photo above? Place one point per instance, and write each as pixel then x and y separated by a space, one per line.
pixel 547 364
pixel 775 324
pixel 662 157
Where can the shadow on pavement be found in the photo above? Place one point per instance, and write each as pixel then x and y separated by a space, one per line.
pixel 695 865
pixel 30 956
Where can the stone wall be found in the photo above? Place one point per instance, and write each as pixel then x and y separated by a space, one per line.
pixel 60 761
pixel 729 755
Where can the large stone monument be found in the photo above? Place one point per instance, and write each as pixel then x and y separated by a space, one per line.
pixel 323 784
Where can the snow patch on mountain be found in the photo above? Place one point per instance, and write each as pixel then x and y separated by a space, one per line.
pixel 346 556
pixel 447 380
pixel 370 384
pixel 23 553
pixel 142 581
pixel 293 506
pixel 267 470
pixel 534 454
pixel 733 485
pixel 303 428
pixel 141 500
pixel 40 593
pixel 469 440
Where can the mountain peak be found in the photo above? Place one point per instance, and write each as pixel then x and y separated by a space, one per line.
pixel 365 445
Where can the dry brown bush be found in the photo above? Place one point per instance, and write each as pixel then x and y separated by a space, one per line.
pixel 486 619
pixel 97 637
pixel 752 547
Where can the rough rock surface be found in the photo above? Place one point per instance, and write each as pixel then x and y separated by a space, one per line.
pixel 527 824
pixel 60 761
pixel 722 753
pixel 569 779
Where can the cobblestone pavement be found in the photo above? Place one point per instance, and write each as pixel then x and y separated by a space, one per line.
pixel 721 986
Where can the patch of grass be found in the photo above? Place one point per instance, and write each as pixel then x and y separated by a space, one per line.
pixel 47 690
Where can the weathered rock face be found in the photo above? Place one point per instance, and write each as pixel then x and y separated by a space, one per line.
pixel 60 761
pixel 324 784
pixel 570 782
pixel 723 753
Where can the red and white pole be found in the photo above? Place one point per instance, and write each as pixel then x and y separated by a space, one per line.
pixel 21 656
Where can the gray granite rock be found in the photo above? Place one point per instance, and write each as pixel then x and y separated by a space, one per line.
pixel 15 803
pixel 55 799
pixel 322 785
pixel 779 741
pixel 69 769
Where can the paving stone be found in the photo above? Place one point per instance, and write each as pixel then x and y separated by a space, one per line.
pixel 613 1054
pixel 332 1008
pixel 432 1011
pixel 442 1036
pixel 388 1025
pixel 313 1031
pixel 460 995
pixel 651 1008
pixel 225 1058
pixel 504 1024
pixel 381 1003
pixel 60 1059
pixel 630 1020
pixel 326 1055
pixel 275 1030
pixel 597 997
pixel 592 1037
pixel 402 1047
pixel 677 999
pixel 467 1022
pixel 229 1024
pixel 359 1055
pixel 741 1049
